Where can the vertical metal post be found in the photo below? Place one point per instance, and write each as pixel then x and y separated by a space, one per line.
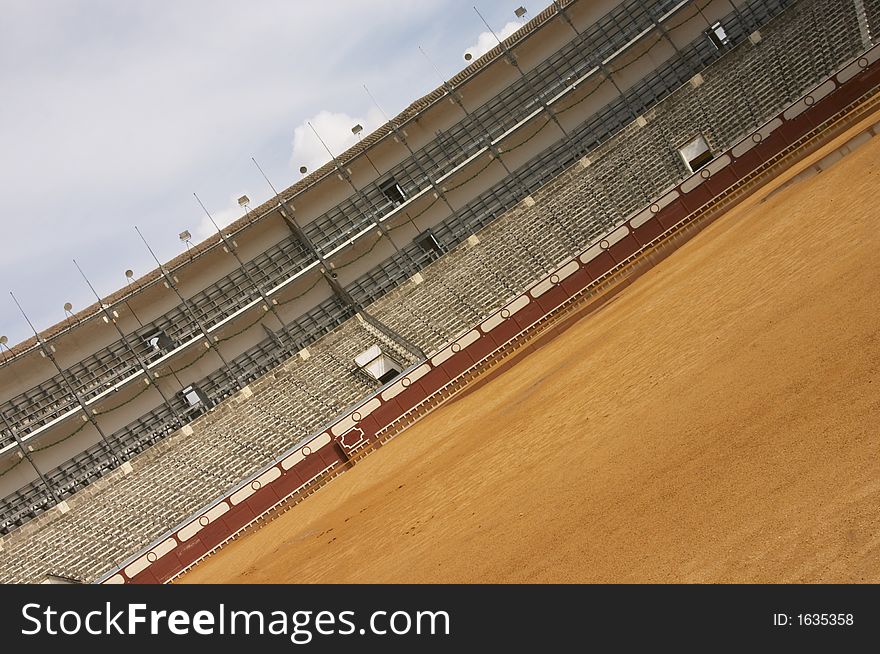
pixel 344 174
pixel 475 118
pixel 48 353
pixel 511 57
pixel 170 282
pixel 27 455
pixel 597 62
pixel 290 219
pixel 402 138
pixel 233 250
pixel 111 320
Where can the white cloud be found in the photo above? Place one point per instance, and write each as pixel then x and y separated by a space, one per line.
pixel 121 110
pixel 334 128
pixel 117 112
pixel 486 40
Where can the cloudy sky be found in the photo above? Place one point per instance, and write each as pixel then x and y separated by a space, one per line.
pixel 113 113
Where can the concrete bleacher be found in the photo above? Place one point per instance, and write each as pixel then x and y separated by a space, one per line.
pixel 123 511
pixel 622 176
pixel 132 505
pixel 622 190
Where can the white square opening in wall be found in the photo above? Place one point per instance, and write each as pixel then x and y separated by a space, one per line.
pixel 194 396
pixel 380 366
pixel 718 35
pixel 695 153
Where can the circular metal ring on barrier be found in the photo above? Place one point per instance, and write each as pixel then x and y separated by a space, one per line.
pixel 256 485
pixel 204 520
pixel 757 138
pixel 306 450
pixel 505 314
pixel 705 173
pixel 809 100
pixel 554 279
pixel 151 557
pixel 405 382
pixel 455 347
pixel 655 208
pixel 604 244
pixel 356 416
pixel 863 62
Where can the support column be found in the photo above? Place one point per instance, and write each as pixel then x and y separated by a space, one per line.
pixel 487 138
pixel 402 138
pixel 171 283
pixel 27 455
pixel 110 318
pixel 233 250
pixel 329 276
pixel 48 352
pixel 597 59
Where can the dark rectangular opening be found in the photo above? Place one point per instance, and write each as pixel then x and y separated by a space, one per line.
pixel 393 192
pixel 428 242
pixel 390 374
pixel 158 342
pixel 700 161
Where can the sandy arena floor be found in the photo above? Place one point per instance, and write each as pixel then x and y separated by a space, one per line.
pixel 719 421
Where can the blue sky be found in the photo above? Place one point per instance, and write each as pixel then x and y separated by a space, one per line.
pixel 113 113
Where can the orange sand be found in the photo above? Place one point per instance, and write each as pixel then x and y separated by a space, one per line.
pixel 718 421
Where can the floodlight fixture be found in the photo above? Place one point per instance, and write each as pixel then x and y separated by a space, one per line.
pixel 468 56
pixel 357 129
pixel 186 238
pixel 303 170
pixel 520 11
pixel 244 201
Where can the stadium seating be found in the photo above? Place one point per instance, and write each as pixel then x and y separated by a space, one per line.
pixel 122 511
